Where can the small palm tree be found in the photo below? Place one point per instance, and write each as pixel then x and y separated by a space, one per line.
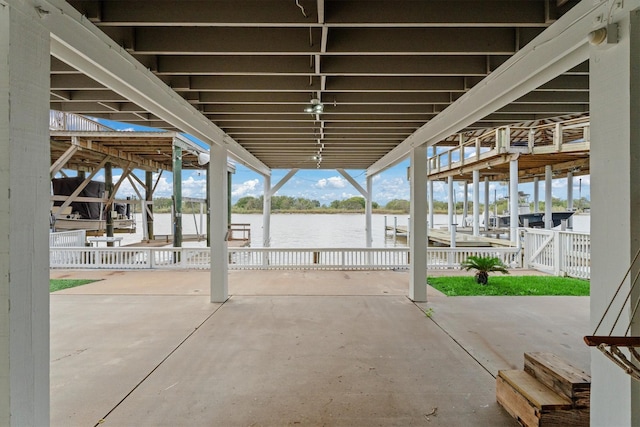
pixel 484 265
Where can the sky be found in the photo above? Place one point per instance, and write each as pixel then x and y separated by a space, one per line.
pixel 328 185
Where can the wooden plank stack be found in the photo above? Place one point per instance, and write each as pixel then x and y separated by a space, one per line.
pixel 549 392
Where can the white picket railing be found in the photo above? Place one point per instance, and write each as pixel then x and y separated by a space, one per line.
pixel 315 258
pixel 60 120
pixel 561 253
pixel 448 258
pixel 267 258
pixel 66 239
pixel 129 258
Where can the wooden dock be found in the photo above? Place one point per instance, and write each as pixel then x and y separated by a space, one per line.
pixel 441 237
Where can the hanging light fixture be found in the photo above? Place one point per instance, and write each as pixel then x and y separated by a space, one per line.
pixel 315 107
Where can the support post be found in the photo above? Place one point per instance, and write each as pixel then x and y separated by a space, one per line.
pixel 486 203
pixel 369 212
pixel 451 206
pixel 570 198
pixel 217 175
pixel 24 204
pixel 548 199
pixel 268 193
pixel 208 203
pixel 614 84
pixel 430 203
pixel 266 212
pixel 148 211
pixel 465 203
pixel 476 202
pixel 418 225
pixel 108 188
pixel 177 195
pixel 513 201
pixel 368 203
pixel 536 194
pixel 229 182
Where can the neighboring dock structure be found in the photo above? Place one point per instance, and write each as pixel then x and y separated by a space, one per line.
pixel 87 146
pixel 443 237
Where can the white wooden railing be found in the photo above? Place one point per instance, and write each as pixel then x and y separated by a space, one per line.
pixel 267 258
pixel 60 120
pixel 318 259
pixel 561 253
pixel 66 239
pixel 569 136
pixel 129 258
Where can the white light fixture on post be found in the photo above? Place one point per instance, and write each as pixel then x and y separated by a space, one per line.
pixel 203 158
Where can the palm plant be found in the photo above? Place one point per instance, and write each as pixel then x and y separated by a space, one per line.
pixel 483 266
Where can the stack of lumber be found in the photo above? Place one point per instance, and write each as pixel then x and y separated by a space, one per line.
pixel 548 392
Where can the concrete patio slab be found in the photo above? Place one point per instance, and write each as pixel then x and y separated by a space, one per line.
pixel 146 348
pixel 103 346
pixel 498 330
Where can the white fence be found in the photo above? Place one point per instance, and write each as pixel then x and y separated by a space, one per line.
pixel 266 258
pixel 561 253
pixel 129 258
pixel 67 239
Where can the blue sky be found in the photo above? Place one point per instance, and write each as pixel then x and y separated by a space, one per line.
pixel 328 185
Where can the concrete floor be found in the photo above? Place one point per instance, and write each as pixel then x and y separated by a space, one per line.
pixel 146 348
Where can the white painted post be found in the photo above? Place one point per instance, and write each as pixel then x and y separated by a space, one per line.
pixel 476 202
pixel 548 200
pixel 369 212
pixel 218 223
pixel 266 213
pixel 513 200
pixel 24 204
pixel 556 253
pixel 465 204
pixel 570 198
pixel 536 194
pixel 454 230
pixel 486 203
pixel 365 193
pixel 431 203
pixel 451 207
pixel 418 225
pixel 615 210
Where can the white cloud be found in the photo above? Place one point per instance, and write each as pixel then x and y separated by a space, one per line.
pixel 247 188
pixel 164 187
pixel 332 182
pixel 390 189
pixel 192 187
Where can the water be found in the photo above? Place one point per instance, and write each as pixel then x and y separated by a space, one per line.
pixel 310 230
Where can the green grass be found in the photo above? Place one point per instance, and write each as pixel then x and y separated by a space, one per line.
pixel 59 284
pixel 510 286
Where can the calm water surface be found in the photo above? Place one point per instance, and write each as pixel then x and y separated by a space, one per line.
pixel 311 230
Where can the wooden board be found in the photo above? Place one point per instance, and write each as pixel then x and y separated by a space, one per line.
pixel 466 240
pixel 528 415
pixel 516 405
pixel 593 341
pixel 540 396
pixel 559 376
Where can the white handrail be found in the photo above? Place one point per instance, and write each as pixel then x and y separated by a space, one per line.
pixel 119 258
